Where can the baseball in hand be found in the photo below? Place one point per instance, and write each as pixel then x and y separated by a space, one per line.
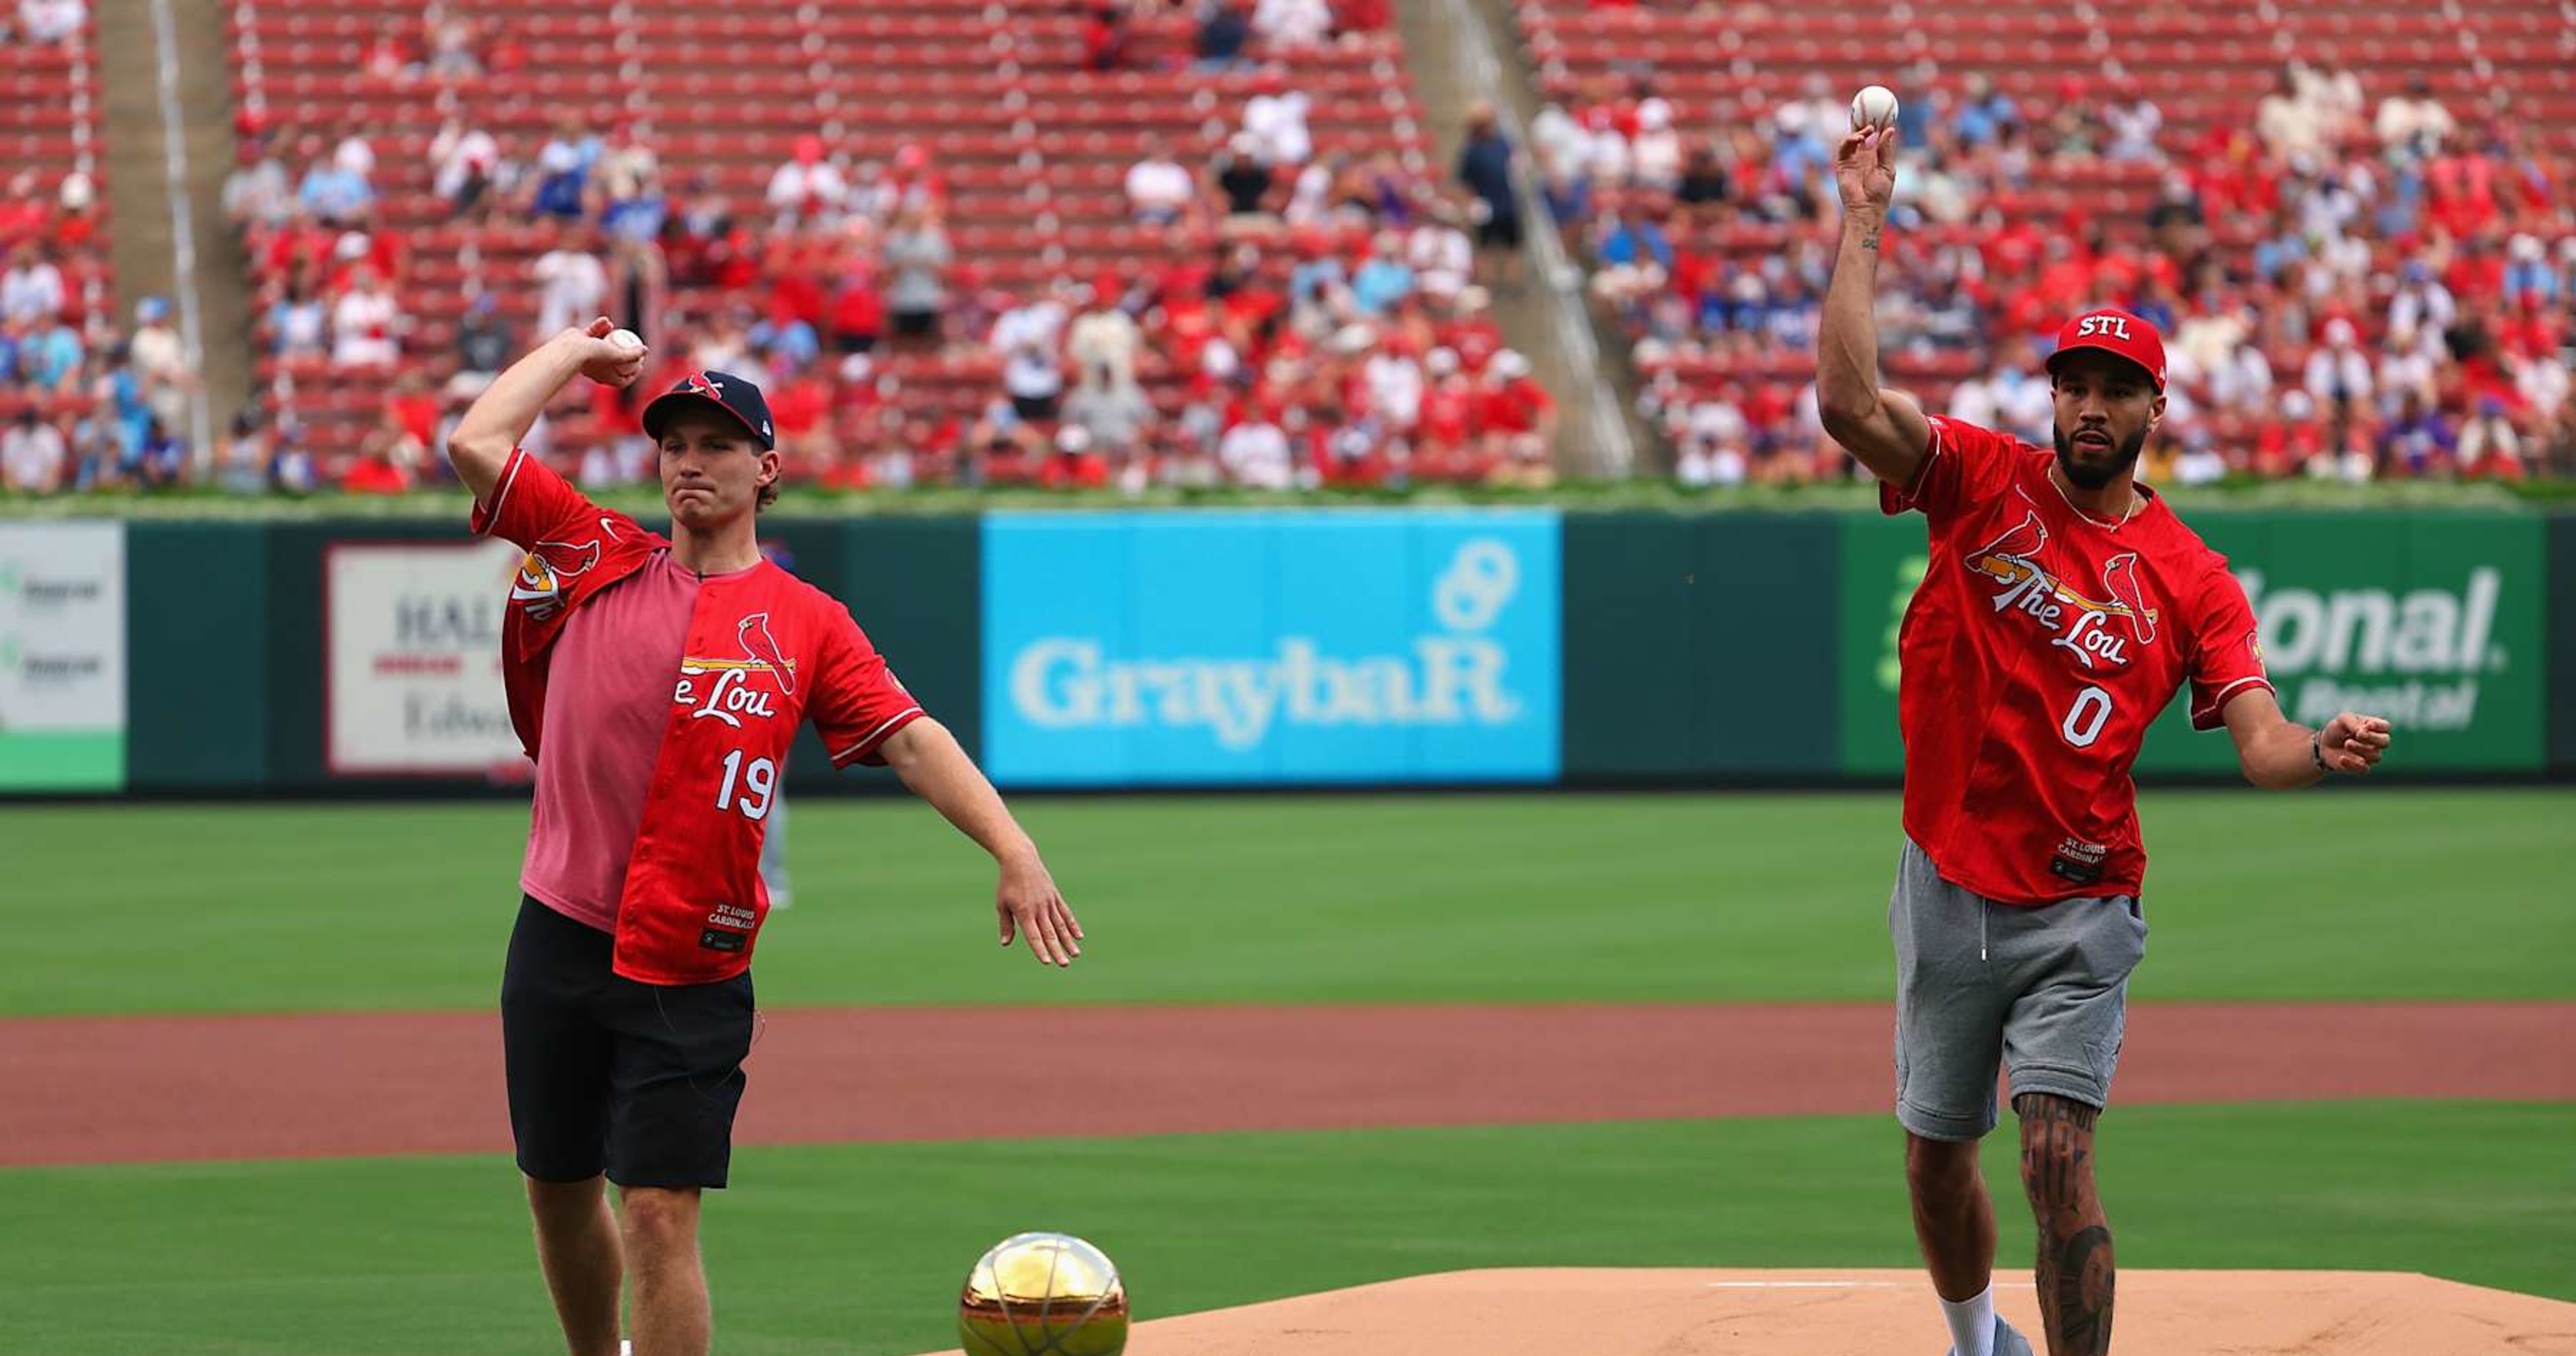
pixel 1874 107
pixel 629 342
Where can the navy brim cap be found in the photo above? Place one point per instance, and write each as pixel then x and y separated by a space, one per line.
pixel 736 396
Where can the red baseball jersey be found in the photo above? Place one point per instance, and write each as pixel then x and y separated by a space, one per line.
pixel 764 651
pixel 2039 647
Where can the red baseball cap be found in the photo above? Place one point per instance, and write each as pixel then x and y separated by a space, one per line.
pixel 2114 331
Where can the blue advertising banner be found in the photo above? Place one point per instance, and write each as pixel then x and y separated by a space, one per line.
pixel 1202 648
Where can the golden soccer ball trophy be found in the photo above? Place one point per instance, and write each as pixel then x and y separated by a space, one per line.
pixel 1043 1295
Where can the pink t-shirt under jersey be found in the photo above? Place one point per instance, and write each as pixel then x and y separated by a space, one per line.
pixel 608 697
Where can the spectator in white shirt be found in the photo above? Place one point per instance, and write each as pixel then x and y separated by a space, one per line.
pixel 2289 123
pixel 1255 454
pixel 571 281
pixel 2338 377
pixel 2414 120
pixel 1291 24
pixel 1159 188
pixel 1443 259
pixel 32 289
pixel 2134 120
pixel 807 187
pixel 1104 340
pixel 32 455
pixel 365 324
pixel 1276 118
pixel 50 20
pixel 2200 462
pixel 1395 385
pixel 1032 373
pixel 257 192
pixel 1655 156
pixel 160 359
pixel 467 160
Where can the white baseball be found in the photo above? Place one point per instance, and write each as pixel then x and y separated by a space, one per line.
pixel 1874 107
pixel 626 341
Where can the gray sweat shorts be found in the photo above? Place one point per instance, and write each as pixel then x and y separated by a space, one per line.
pixel 2044 990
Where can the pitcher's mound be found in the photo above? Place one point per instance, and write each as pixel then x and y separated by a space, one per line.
pixel 1864 1313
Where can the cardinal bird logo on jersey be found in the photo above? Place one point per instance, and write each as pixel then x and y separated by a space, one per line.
pixel 2076 623
pixel 539 586
pixel 733 695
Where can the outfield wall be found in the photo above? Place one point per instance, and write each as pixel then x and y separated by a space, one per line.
pixel 1254 647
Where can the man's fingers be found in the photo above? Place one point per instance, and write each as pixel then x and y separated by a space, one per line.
pixel 599 328
pixel 1009 923
pixel 1070 921
pixel 1065 927
pixel 1041 930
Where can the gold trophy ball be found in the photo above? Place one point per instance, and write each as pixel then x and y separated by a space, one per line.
pixel 1043 1294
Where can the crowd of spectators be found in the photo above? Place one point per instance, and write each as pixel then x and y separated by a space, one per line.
pixel 1310 318
pixel 2347 290
pixel 85 401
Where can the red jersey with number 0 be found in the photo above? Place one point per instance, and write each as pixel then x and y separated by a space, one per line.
pixel 2039 647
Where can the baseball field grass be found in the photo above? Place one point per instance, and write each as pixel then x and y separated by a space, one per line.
pixel 856 1249
pixel 2348 893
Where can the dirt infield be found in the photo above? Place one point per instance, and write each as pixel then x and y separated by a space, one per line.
pixel 1864 1313
pixel 147 1089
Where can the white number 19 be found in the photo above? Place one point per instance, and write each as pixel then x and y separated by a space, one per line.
pixel 758 780
pixel 2081 728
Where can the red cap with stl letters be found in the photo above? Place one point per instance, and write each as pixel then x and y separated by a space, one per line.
pixel 2114 331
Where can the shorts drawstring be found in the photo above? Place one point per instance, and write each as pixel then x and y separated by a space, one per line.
pixel 1985 909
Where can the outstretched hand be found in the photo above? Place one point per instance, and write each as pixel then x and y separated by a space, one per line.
pixel 2352 744
pixel 1031 906
pixel 1865 169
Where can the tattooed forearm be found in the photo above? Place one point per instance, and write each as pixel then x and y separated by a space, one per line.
pixel 1870 241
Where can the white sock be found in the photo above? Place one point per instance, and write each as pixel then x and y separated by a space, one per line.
pixel 1972 1323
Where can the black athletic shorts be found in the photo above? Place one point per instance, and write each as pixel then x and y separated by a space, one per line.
pixel 607 1074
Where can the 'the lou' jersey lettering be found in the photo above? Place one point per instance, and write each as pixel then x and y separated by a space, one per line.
pixel 2036 652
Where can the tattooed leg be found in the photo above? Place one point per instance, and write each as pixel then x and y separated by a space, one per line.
pixel 2074 1274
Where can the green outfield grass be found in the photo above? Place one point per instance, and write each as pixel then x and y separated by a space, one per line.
pixel 2355 893
pixel 1508 899
pixel 857 1250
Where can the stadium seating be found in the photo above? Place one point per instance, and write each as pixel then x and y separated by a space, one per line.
pixel 1032 148
pixel 50 129
pixel 2206 64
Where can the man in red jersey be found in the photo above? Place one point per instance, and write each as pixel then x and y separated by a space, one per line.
pixel 2063 608
pixel 657 684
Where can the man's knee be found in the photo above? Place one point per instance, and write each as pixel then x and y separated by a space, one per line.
pixel 1940 1169
pixel 661 1219
pixel 565 1201
pixel 2056 1151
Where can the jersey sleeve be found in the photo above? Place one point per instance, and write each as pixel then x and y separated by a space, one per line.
pixel 1964 465
pixel 858 703
pixel 2226 649
pixel 531 503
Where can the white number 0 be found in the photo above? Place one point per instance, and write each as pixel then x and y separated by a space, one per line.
pixel 2078 730
pixel 757 782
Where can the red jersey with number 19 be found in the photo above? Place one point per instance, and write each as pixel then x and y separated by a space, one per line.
pixel 2039 647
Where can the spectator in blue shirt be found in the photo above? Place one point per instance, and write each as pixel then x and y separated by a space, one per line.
pixel 1485 167
pixel 1636 240
pixel 1224 30
pixel 1384 280
pixel 334 193
pixel 51 362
